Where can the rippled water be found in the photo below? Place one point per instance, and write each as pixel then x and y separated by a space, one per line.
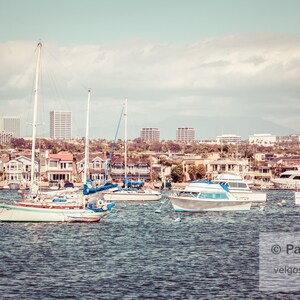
pixel 135 253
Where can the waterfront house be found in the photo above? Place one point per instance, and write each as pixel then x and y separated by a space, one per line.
pixel 137 169
pixel 18 170
pixel 96 167
pixel 59 167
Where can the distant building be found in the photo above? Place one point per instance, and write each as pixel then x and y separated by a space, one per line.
pixel 262 139
pixel 5 137
pixel 11 125
pixel 228 139
pixel 291 138
pixel 61 125
pixel 150 134
pixel 185 134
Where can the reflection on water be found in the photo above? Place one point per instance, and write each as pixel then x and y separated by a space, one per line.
pixel 135 253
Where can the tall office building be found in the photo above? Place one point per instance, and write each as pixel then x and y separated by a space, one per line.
pixel 185 134
pixel 11 125
pixel 61 125
pixel 150 134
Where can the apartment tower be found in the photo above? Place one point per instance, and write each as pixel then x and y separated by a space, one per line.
pixel 61 125
pixel 150 134
pixel 11 125
pixel 185 134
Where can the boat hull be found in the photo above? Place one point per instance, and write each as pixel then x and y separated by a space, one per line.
pixel 297 198
pixel 286 184
pixel 186 204
pixel 16 213
pixel 255 197
pixel 131 196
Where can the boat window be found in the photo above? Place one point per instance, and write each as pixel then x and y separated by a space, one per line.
pixel 232 184
pixel 188 194
pixel 205 195
pixel 296 178
pixel 285 176
pixel 242 185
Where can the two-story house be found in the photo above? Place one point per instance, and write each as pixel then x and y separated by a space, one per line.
pixel 59 167
pixel 96 167
pixel 137 169
pixel 18 170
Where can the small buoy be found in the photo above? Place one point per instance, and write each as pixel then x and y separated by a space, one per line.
pixel 282 203
pixel 178 219
pixel 158 211
pixel 261 208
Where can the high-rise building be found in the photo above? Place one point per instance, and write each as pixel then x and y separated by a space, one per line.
pixel 185 134
pixel 150 134
pixel 61 125
pixel 11 125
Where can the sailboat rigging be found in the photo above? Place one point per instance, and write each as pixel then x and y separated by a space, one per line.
pixel 38 209
pixel 128 193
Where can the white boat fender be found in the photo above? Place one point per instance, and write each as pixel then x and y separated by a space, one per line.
pixel 104 207
pixel 282 203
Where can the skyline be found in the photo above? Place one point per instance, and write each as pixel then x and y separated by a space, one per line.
pixel 221 67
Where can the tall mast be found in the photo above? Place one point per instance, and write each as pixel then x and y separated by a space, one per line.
pixel 86 150
pixel 125 138
pixel 34 122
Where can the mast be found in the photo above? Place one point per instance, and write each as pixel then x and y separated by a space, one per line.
pixel 34 122
pixel 125 138
pixel 86 150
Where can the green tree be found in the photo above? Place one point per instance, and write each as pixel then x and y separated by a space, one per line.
pixel 201 172
pixel 177 173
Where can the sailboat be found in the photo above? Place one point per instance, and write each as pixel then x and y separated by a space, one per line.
pixel 37 209
pixel 132 191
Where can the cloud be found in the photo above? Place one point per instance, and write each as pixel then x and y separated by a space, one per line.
pixel 255 75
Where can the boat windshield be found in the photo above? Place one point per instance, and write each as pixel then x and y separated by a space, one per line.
pixel 237 185
pixel 188 194
pixel 285 176
pixel 207 195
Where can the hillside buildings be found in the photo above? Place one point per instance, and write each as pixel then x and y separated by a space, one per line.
pixel 262 139
pixel 61 125
pixel 228 139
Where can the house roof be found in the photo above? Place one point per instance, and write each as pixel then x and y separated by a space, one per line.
pixel 62 156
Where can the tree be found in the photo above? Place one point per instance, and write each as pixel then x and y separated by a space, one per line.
pixel 177 173
pixel 192 171
pixel 201 171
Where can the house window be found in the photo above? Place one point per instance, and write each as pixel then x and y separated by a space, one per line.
pixel 53 164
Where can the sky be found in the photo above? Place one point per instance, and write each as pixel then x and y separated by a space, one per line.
pixel 220 66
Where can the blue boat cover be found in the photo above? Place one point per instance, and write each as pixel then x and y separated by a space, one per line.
pixel 129 183
pixel 89 189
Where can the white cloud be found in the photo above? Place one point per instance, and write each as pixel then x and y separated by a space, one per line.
pixel 254 74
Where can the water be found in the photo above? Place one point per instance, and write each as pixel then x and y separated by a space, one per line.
pixel 135 253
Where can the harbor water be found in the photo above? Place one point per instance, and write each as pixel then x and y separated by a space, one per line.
pixel 138 253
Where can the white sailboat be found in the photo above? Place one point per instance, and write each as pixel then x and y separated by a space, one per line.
pixel 127 193
pixel 36 209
